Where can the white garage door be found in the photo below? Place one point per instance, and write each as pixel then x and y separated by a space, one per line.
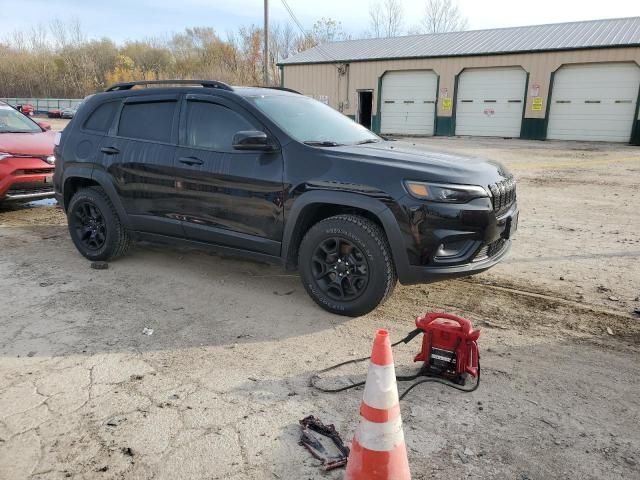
pixel 490 102
pixel 409 102
pixel 594 102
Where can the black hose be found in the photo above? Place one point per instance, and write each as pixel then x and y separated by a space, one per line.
pixel 400 378
pixel 444 382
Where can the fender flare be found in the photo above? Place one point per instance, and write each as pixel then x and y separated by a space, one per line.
pixel 102 179
pixel 71 172
pixel 347 199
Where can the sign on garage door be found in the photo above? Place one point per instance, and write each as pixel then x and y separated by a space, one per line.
pixel 594 102
pixel 408 102
pixel 490 102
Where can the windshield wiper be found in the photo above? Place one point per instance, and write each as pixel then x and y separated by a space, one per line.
pixel 16 131
pixel 369 140
pixel 324 143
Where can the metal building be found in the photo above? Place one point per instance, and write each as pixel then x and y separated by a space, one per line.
pixel 571 81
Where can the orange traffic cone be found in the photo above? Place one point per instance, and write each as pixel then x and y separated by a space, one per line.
pixel 378 451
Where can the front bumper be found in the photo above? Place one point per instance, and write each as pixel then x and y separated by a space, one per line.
pixel 418 274
pixel 25 179
pixel 445 241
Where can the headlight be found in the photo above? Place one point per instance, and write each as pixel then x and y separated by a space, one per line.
pixel 444 193
pixel 51 159
pixel 4 155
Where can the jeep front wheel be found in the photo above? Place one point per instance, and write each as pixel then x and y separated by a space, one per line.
pixel 346 266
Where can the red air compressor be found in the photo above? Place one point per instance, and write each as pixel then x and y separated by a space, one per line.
pixel 449 347
pixel 449 352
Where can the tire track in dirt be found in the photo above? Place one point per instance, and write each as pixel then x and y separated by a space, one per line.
pixel 511 308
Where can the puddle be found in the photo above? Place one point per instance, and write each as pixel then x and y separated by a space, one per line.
pixel 17 206
pixel 45 202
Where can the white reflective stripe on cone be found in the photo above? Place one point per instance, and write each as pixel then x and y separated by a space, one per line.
pixel 381 391
pixel 380 437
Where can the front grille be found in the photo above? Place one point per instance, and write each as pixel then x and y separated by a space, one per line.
pixel 504 194
pixel 38 171
pixel 35 171
pixel 490 250
pixel 25 188
pixel 496 247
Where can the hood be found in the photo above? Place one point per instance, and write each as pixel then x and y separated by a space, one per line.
pixel 36 144
pixel 427 164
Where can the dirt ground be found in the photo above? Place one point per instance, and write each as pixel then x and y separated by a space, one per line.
pixel 218 388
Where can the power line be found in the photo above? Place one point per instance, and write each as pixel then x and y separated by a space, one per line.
pixel 304 32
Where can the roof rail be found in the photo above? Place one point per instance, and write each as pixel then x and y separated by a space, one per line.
pixel 284 89
pixel 204 83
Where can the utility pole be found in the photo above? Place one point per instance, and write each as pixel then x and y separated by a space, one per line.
pixel 265 60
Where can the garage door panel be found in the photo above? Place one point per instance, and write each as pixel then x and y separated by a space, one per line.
pixel 490 102
pixel 408 102
pixel 594 102
pixel 399 107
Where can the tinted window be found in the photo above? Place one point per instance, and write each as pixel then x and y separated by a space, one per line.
pixel 213 126
pixel 101 118
pixel 308 120
pixel 147 121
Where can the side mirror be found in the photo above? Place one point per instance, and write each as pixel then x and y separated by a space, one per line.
pixel 44 125
pixel 252 140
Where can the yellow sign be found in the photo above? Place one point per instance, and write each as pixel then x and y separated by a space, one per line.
pixel 536 104
pixel 446 104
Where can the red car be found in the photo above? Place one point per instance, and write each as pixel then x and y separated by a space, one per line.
pixel 26 156
pixel 26 109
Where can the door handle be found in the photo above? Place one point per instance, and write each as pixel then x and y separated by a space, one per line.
pixel 110 150
pixel 190 161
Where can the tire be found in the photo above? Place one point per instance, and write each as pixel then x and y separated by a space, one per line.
pixel 328 247
pixel 94 225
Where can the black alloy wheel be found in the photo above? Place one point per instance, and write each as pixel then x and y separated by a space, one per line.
pixel 346 265
pixel 90 225
pixel 340 269
pixel 94 225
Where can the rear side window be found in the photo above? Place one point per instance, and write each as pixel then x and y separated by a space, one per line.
pixel 147 121
pixel 210 125
pixel 101 118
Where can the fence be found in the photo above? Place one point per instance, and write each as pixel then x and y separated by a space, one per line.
pixel 43 105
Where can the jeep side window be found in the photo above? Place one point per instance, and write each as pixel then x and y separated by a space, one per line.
pixel 101 118
pixel 147 121
pixel 213 126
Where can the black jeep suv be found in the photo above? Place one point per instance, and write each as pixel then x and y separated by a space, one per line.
pixel 277 176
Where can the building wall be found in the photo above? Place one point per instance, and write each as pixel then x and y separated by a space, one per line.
pixel 323 79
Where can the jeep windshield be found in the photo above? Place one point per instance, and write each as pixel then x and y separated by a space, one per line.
pixel 312 122
pixel 12 121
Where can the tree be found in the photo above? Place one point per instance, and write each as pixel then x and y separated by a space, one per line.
pixel 61 61
pixel 442 16
pixel 385 19
pixel 323 31
pixel 328 30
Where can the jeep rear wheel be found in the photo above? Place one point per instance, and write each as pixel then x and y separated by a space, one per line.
pixel 346 266
pixel 94 225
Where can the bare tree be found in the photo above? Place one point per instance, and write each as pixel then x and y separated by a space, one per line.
pixel 62 61
pixel 385 19
pixel 442 16
pixel 328 30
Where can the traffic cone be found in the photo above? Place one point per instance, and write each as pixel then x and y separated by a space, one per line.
pixel 378 451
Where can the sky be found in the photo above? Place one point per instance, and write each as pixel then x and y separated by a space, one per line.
pixel 123 20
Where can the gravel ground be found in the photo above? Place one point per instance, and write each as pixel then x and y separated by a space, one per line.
pixel 218 388
pixel 57 124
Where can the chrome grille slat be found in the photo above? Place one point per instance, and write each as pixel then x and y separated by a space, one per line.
pixel 504 194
